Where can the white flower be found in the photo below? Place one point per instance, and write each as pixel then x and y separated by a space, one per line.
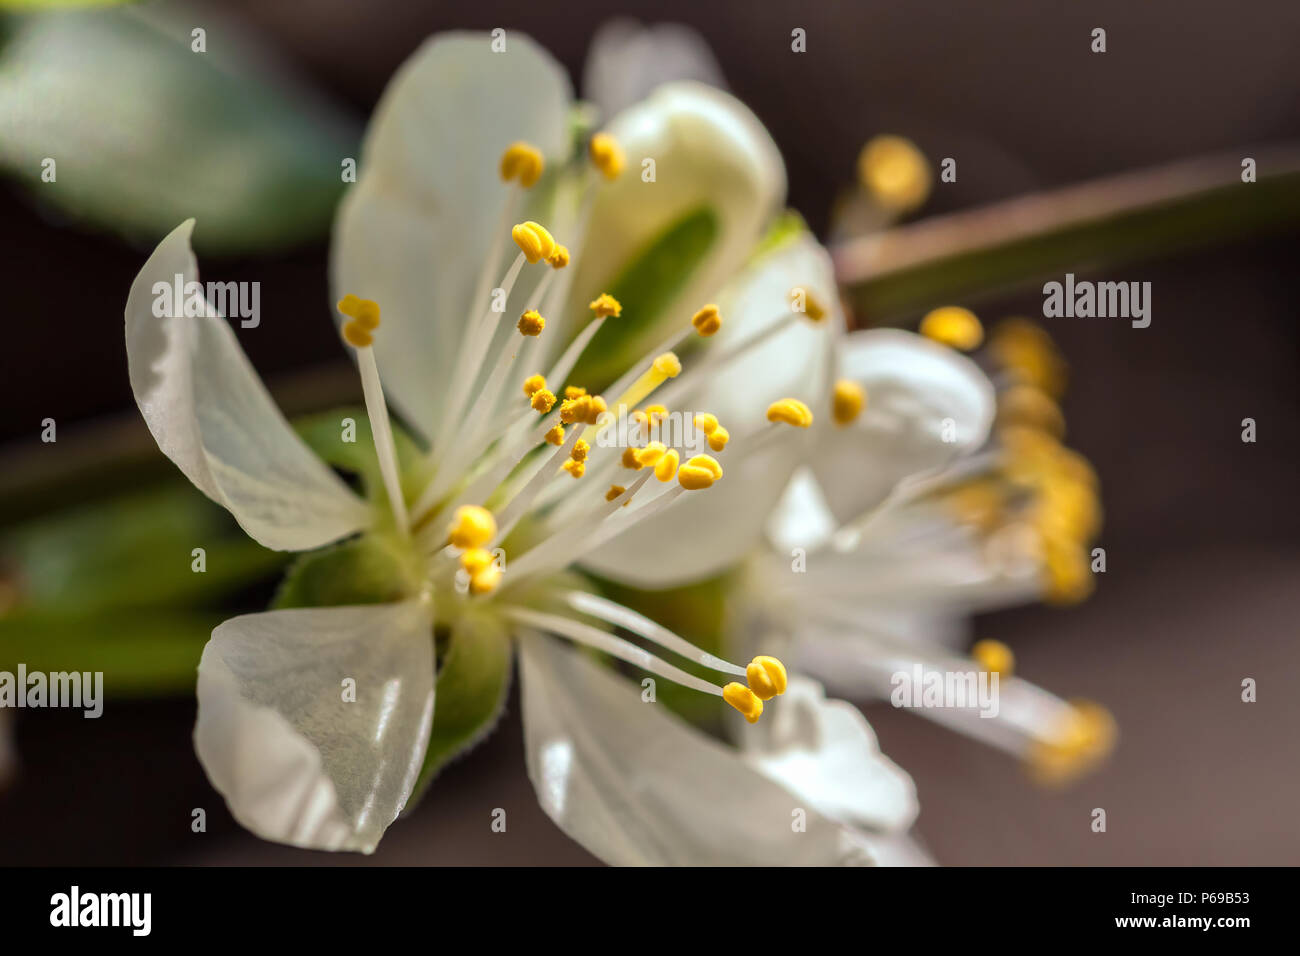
pixel 315 722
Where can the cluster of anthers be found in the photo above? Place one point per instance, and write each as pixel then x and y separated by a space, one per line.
pixel 494 469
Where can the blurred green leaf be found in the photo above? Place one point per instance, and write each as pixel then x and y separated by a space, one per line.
pixel 323 433
pixel 361 571
pixel 145 132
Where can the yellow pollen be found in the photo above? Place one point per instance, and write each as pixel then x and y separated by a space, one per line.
pixel 471 527
pixel 475 560
pixel 356 335
pixel 953 326
pixel 559 258
pixel 718 438
pixel 1028 405
pixel 533 240
pixel 576 468
pixel 606 305
pixel 534 384
pixel 767 677
pixel 666 467
pixel 522 161
pixel 574 391
pixel 707 320
pixel 364 311
pixel 803 300
pixel 894 172
pixel 614 492
pixel 847 401
pixel 1085 737
pixel 598 408
pixel 543 401
pixel 994 657
pixel 531 323
pixel 575 409
pixel 668 365
pixel 744 700
pixel 485 581
pixel 1025 349
pixel 555 436
pixel 606 155
pixel 791 411
pixel 649 456
pixel 699 472
pixel 706 422
pixel 629 458
pixel 580 450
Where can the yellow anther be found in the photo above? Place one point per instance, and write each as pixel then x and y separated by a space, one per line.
pixel 555 436
pixel 1068 572
pixel 364 311
pixel 598 408
pixel 1084 737
pixel 802 299
pixel 767 677
pixel 847 401
pixel 534 384
pixel 559 258
pixel 666 467
pixel 699 472
pixel 718 438
pixel 668 365
pixel 707 320
pixel 543 400
pixel 895 172
pixel 629 458
pixel 1030 406
pixel 649 456
pixel 574 391
pixel 357 335
pixel 580 450
pixel 531 323
pixel 485 581
pixel 606 155
pixel 533 240
pixel 606 305
pixel 994 657
pixel 1028 352
pixel 472 526
pixel 744 700
pixel 614 492
pixel 953 326
pixel 475 560
pixel 706 422
pixel 575 409
pixel 574 467
pixel 522 161
pixel 791 411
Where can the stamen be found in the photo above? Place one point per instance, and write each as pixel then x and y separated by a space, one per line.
pixel 700 472
pixel 767 677
pixel 894 172
pixel 847 402
pixel 707 321
pixel 534 384
pixel 662 367
pixel 472 527
pixel 744 700
pixel 790 411
pixel 363 320
pixel 606 305
pixel 531 323
pixel 666 467
pixel 522 161
pixel 606 155
pixel 994 657
pixel 953 326
pixel 534 241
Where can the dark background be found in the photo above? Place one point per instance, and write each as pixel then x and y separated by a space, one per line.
pixel 1201 529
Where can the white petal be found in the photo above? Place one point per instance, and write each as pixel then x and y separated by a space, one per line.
pixel 413 232
pixel 212 416
pixel 296 761
pixel 801 517
pixel 705 532
pixel 635 785
pixel 710 152
pixel 894 849
pixel 626 61
pixel 825 752
pixel 913 386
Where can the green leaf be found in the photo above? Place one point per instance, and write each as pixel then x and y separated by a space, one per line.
pixel 145 132
pixel 362 571
pixel 472 686
pixel 132 551
pixel 139 652
pixel 644 287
